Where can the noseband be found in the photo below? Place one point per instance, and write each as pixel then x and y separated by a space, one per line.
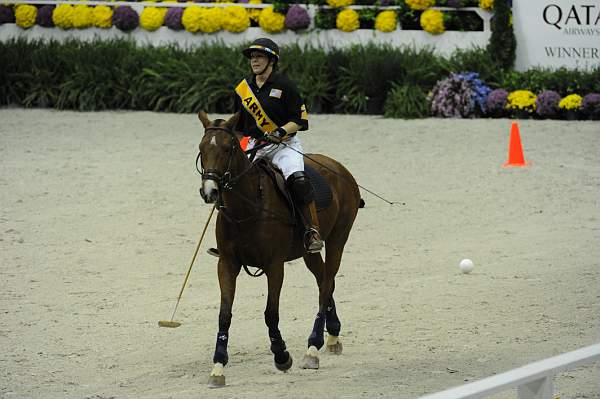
pixel 223 180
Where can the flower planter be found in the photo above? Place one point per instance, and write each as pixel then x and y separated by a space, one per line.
pixel 571 115
pixel 521 114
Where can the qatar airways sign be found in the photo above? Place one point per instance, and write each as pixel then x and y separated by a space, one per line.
pixel 557 33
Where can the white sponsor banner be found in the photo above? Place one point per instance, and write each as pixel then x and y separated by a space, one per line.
pixel 557 33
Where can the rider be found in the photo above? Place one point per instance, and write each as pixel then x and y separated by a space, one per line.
pixel 272 111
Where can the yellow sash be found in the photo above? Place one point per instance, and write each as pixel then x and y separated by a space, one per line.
pixel 250 102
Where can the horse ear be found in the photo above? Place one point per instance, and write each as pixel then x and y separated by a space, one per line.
pixel 231 122
pixel 204 119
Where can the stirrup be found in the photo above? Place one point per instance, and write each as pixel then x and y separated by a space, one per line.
pixel 312 241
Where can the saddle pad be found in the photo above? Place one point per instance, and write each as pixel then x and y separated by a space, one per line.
pixel 323 194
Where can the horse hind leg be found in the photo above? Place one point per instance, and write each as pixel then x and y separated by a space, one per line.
pixel 327 316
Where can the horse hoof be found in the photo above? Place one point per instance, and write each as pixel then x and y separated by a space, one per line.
pixel 285 366
pixel 216 381
pixel 311 359
pixel 335 349
pixel 310 362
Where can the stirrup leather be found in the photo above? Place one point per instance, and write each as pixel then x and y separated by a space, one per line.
pixel 312 241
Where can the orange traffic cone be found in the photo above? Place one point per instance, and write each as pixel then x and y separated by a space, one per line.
pixel 515 150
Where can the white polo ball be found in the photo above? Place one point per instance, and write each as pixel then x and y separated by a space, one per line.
pixel 466 266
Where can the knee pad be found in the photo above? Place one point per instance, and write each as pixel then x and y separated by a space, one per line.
pixel 300 188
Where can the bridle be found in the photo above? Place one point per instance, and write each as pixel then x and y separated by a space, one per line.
pixel 226 181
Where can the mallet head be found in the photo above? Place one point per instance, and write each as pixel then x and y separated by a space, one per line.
pixel 169 324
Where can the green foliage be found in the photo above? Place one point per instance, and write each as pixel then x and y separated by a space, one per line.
pixel 478 60
pixel 406 101
pixel 118 74
pixel 503 44
pixel 308 68
pixel 564 81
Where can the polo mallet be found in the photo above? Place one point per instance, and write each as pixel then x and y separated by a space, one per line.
pixel 175 324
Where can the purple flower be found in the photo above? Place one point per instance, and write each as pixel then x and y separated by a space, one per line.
pixel 385 3
pixel 44 16
pixel 496 102
pixel 173 18
pixel 125 18
pixel 461 95
pixel 591 105
pixel 7 15
pixel 297 18
pixel 546 104
pixel 454 3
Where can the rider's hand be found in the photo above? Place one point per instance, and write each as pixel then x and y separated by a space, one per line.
pixel 276 136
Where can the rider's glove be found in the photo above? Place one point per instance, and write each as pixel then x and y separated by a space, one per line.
pixel 276 136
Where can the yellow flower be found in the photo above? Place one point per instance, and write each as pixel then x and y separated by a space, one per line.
pixel 521 99
pixel 271 21
pixel 152 18
pixel 420 4
pixel 254 12
pixel 347 20
pixel 102 17
pixel 25 15
pixel 207 20
pixel 572 101
pixel 82 16
pixel 236 19
pixel 212 19
pixel 386 21
pixel 486 4
pixel 432 21
pixel 339 3
pixel 62 16
pixel 190 19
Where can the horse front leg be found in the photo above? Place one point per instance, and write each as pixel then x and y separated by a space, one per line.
pixel 282 358
pixel 315 264
pixel 228 272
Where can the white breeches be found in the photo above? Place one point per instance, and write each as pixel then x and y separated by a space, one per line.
pixel 288 160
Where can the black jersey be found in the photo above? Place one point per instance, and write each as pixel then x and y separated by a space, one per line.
pixel 279 98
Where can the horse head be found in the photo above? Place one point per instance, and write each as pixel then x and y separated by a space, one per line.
pixel 219 155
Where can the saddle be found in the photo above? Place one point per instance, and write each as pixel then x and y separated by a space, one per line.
pixel 322 189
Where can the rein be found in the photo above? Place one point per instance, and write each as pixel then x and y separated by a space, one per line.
pixel 227 182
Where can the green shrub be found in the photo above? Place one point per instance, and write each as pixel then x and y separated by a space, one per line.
pixel 118 74
pixel 406 101
pixel 503 44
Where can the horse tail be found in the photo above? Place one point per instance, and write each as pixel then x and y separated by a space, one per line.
pixel 362 203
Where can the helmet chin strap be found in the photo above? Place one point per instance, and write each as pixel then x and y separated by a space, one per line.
pixel 263 71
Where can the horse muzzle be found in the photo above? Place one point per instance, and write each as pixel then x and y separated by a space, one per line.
pixel 209 191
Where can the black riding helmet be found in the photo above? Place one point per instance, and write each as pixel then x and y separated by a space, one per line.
pixel 267 46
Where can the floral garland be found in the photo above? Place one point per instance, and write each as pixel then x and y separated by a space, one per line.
pixel 420 4
pixel 152 18
pixel 102 17
pixel 82 16
pixel 347 20
pixel 254 13
pixel 340 3
pixel 236 19
pixel 232 18
pixel 271 21
pixel 486 4
pixel 386 21
pixel 432 21
pixel 25 15
pixel 63 16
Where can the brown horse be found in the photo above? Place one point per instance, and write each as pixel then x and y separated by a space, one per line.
pixel 255 227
